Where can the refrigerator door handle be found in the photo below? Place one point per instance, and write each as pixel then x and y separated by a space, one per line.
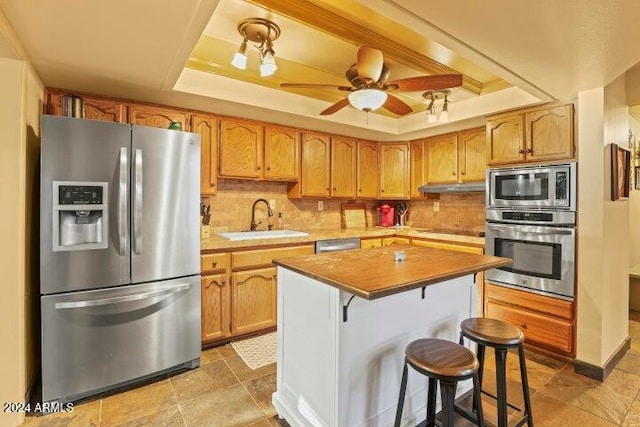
pixel 137 203
pixel 123 299
pixel 123 185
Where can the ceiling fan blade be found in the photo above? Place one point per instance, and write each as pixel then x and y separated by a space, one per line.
pixel 315 85
pixel 335 107
pixel 369 63
pixel 436 82
pixel 397 106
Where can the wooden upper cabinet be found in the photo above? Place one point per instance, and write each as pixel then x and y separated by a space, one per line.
pixel 157 117
pixel 505 140
pixel 207 127
pixel 472 160
pixel 418 169
pixel 281 153
pixel 343 167
pixel 442 159
pixel 394 171
pixel 240 149
pixel 367 169
pixel 532 135
pixel 316 159
pixel 108 110
pixel 549 133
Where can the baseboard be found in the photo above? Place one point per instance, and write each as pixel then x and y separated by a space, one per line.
pixel 600 373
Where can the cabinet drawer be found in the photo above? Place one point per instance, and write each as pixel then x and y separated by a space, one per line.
pixel 263 257
pixel 449 246
pixel 388 241
pixel 539 330
pixel 370 243
pixel 531 302
pixel 213 262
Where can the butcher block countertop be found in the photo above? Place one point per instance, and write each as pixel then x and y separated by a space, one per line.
pixel 373 273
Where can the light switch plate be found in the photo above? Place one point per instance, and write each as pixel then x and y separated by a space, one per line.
pixel 272 203
pixel 436 206
pixel 320 205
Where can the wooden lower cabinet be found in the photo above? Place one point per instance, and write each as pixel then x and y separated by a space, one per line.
pixel 215 307
pixel 388 241
pixel 370 243
pixel 253 300
pixel 546 322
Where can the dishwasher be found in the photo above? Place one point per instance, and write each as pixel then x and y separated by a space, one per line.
pixel 335 245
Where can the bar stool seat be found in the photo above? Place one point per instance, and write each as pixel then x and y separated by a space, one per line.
pixel 502 337
pixel 444 361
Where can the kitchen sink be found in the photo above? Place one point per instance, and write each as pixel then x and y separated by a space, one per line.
pixel 264 234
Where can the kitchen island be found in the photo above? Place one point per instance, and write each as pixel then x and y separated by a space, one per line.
pixel 344 320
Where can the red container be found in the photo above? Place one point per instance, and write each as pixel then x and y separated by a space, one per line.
pixel 385 215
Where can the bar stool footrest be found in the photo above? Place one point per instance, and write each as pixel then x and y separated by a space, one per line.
pixel 468 414
pixel 496 398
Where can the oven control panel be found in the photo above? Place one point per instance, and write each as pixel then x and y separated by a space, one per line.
pixel 562 197
pixel 528 216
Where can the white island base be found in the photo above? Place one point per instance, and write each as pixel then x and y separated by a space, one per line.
pixel 347 374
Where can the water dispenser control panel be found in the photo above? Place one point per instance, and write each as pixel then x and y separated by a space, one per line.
pixel 80 215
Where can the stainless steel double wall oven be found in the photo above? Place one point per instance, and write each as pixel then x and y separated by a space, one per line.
pixel 531 218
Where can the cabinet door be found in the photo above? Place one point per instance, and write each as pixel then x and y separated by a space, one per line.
pixel 315 177
pixel 505 140
pixel 370 243
pixel 472 157
pixel 549 134
pixel 240 149
pixel 207 127
pixel 442 159
pixel 108 110
pixel 394 171
pixel 367 169
pixel 253 300
pixel 343 167
pixel 215 307
pixel 281 153
pixel 418 169
pixel 157 117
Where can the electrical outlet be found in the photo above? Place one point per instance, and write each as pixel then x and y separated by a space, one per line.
pixel 320 205
pixel 436 206
pixel 272 204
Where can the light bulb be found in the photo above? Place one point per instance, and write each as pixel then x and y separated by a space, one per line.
pixel 268 66
pixel 240 58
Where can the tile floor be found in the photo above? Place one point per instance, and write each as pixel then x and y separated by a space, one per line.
pixel 225 392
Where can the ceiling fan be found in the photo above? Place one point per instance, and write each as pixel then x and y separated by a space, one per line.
pixel 369 87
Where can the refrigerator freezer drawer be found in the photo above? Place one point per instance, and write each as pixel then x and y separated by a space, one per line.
pixel 95 340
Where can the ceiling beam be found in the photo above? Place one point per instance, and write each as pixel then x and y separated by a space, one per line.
pixel 332 23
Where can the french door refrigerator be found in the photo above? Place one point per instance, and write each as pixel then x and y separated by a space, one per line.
pixel 119 254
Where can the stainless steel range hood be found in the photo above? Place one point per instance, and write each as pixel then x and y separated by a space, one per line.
pixel 453 188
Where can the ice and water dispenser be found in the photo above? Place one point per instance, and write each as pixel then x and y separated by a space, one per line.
pixel 80 215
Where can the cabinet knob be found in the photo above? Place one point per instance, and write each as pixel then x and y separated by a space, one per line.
pixel 268 168
pixel 523 326
pixel 530 150
pixel 334 188
pixel 359 190
pixel 328 189
pixel 213 264
pixel 453 173
pixel 463 173
pixel 258 168
pixel 382 191
pixel 521 151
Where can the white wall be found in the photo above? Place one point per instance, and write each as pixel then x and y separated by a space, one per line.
pixel 603 227
pixel 20 103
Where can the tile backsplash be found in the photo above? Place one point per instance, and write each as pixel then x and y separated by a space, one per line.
pixel 231 209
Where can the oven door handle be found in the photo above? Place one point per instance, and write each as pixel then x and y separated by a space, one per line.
pixel 543 231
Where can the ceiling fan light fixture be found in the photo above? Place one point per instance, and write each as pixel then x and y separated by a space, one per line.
pixel 367 99
pixel 240 58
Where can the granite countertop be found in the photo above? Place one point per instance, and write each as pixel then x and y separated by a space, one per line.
pixel 373 273
pixel 216 243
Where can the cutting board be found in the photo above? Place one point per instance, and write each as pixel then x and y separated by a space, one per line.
pixel 354 215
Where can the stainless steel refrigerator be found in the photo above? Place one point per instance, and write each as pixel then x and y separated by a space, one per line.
pixel 119 254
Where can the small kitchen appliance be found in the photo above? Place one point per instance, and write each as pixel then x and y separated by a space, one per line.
pixel 386 215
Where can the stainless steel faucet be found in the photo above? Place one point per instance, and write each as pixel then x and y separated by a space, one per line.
pixel 253 214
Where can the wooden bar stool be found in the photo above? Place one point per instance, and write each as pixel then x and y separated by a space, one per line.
pixel 443 361
pixel 502 337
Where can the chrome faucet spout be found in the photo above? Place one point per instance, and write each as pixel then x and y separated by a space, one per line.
pixel 253 214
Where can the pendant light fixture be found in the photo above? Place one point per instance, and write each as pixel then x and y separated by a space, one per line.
pixel 433 96
pixel 262 33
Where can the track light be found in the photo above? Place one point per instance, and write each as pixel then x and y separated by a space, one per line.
pixel 433 98
pixel 262 32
